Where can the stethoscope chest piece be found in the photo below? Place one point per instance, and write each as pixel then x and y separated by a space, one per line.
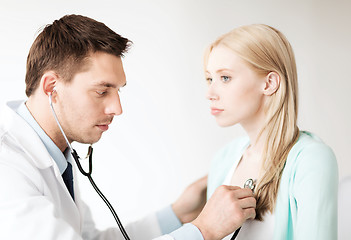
pixel 250 184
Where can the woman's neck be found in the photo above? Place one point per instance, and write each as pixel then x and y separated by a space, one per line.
pixel 256 135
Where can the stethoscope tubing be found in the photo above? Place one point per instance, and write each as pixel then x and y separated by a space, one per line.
pixel 102 196
pixel 88 174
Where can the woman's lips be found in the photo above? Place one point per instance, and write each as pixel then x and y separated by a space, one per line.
pixel 216 111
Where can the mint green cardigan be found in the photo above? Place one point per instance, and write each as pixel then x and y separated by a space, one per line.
pixel 306 206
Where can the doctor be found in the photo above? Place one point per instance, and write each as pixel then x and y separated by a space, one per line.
pixel 77 61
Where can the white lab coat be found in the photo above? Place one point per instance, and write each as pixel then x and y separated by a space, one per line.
pixel 34 201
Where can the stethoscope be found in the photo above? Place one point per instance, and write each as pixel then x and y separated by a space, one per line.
pixel 250 184
pixel 88 174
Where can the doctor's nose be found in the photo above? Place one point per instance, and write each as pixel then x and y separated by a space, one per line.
pixel 114 106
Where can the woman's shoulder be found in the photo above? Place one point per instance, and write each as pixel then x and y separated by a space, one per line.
pixel 309 143
pixel 311 150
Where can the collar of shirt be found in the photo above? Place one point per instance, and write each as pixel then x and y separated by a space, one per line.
pixel 59 157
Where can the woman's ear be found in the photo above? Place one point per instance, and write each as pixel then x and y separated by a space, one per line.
pixel 272 83
pixel 48 82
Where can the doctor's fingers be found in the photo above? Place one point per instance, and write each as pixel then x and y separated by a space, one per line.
pixel 239 193
pixel 243 193
pixel 249 213
pixel 248 206
pixel 229 187
pixel 245 208
pixel 249 202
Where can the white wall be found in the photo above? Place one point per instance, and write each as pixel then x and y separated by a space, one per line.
pixel 166 136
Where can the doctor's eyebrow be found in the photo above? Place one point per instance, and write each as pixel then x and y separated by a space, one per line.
pixel 108 85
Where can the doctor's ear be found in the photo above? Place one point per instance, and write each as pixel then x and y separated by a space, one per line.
pixel 271 84
pixel 53 90
pixel 48 83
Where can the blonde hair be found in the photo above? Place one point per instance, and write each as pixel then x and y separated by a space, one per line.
pixel 267 50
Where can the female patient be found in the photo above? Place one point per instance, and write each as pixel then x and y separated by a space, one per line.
pixel 252 80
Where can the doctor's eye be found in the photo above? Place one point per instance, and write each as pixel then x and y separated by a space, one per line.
pixel 101 93
pixel 225 78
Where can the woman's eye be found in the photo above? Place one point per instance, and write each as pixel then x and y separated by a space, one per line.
pixel 225 78
pixel 208 80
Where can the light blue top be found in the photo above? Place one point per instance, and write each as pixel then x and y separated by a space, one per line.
pixel 168 221
pixel 306 206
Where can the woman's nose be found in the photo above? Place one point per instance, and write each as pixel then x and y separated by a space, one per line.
pixel 211 92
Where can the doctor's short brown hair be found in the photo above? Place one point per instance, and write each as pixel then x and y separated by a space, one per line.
pixel 65 45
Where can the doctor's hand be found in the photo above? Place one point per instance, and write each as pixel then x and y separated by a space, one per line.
pixel 227 209
pixel 191 202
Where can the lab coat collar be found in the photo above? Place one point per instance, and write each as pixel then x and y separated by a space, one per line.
pixel 25 136
pixel 59 157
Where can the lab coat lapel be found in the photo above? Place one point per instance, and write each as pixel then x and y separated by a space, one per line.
pixel 24 135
